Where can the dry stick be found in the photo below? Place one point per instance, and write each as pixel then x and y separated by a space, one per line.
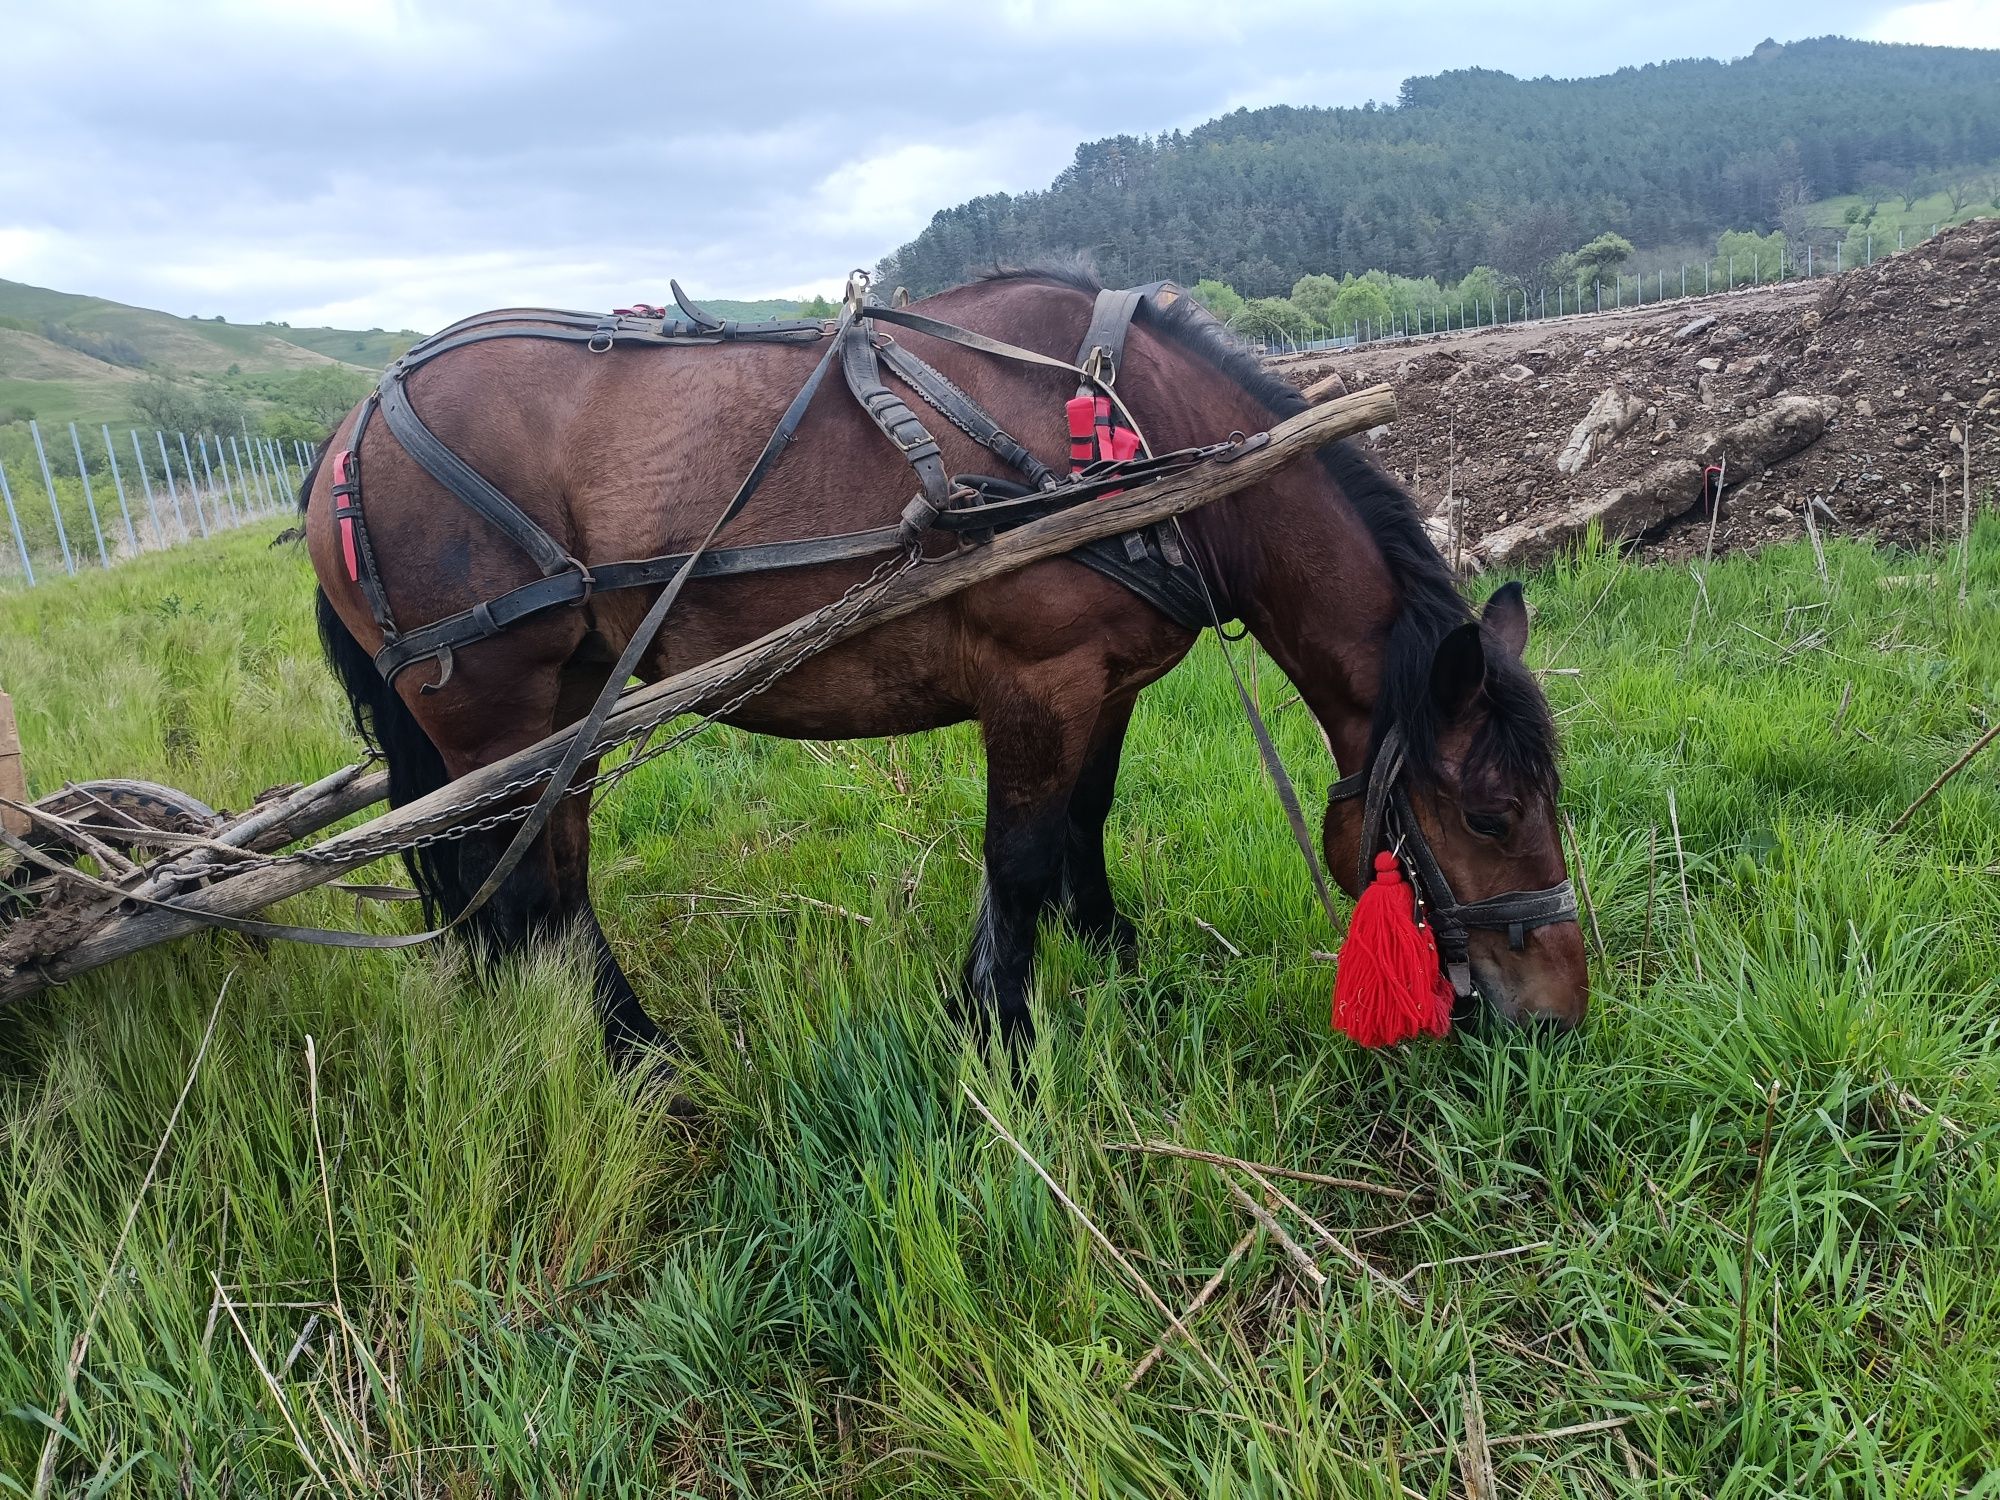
pixel 46 1470
pixel 1228 947
pixel 1579 1429
pixel 1583 884
pixel 1950 771
pixel 1216 1159
pixel 1750 1241
pixel 1306 1266
pixel 1715 509
pixel 1209 1289
pixel 277 1395
pixel 904 594
pixel 1819 552
pixel 1840 713
pixel 332 1240
pixel 1104 1242
pixel 1483 1255
pixel 1652 886
pixel 1965 515
pixel 1687 904
pixel 1334 1243
pixel 1475 1458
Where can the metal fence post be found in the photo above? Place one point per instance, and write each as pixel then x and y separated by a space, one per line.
pixel 89 500
pixel 242 479
pixel 261 469
pixel 188 464
pixel 55 506
pixel 152 505
pixel 173 491
pixel 208 470
pixel 13 520
pixel 131 532
pixel 261 455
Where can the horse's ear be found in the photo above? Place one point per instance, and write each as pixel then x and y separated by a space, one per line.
pixel 1506 615
pixel 1458 671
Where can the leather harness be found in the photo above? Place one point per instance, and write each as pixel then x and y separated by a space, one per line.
pixel 1151 563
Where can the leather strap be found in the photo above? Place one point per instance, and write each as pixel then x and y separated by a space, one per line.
pixel 891 413
pixel 985 344
pixel 967 415
pixel 1103 352
pixel 583 743
pixel 497 615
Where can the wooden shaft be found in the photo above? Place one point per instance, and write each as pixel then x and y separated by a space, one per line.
pixel 905 593
pixel 13 779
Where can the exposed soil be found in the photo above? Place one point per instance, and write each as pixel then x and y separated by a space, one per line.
pixel 1904 355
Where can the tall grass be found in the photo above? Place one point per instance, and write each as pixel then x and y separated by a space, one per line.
pixel 843 1283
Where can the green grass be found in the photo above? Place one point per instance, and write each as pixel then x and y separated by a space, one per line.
pixel 1916 221
pixel 843 1283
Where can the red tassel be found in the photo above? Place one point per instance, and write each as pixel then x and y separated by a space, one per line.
pixel 1388 987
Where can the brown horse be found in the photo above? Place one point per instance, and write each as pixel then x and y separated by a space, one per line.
pixel 627 453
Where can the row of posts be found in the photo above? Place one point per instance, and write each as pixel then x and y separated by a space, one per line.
pixel 267 473
pixel 1449 316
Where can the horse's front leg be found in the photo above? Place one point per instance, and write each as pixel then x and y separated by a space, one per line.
pixel 1083 894
pixel 1036 746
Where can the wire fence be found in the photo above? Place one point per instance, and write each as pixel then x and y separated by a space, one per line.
pixel 1766 266
pixel 167 489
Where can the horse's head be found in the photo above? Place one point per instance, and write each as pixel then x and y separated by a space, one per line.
pixel 1461 781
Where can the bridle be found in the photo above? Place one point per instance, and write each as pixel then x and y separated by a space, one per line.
pixel 1389 822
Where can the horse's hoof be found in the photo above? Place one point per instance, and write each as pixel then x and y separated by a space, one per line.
pixel 660 1083
pixel 1116 934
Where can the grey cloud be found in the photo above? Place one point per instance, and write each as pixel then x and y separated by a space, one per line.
pixel 393 162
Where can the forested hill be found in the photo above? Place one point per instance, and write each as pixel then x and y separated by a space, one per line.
pixel 1478 167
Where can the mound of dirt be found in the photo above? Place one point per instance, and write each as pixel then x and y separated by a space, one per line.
pixel 1847 395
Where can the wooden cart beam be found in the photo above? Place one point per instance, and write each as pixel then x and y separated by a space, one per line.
pixel 254 889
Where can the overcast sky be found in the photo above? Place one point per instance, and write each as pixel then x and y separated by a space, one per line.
pixel 403 162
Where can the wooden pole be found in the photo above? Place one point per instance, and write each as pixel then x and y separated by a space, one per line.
pixel 13 778
pixel 904 593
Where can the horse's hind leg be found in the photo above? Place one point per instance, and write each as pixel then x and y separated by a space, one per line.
pixel 628 1031
pixel 547 896
pixel 1084 891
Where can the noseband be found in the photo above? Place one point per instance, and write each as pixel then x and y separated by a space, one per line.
pixel 1389 822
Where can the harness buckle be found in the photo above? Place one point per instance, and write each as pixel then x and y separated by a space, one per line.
pixel 1099 367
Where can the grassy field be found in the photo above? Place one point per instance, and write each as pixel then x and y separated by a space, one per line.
pixel 1932 211
pixel 410 1234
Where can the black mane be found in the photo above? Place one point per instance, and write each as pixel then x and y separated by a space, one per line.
pixel 1518 740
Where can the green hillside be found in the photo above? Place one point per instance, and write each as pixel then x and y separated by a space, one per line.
pixel 65 357
pixel 188 345
pixel 1475 168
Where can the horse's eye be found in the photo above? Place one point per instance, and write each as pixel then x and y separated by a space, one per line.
pixel 1487 825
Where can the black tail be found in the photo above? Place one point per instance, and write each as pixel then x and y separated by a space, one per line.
pixel 415 767
pixel 385 722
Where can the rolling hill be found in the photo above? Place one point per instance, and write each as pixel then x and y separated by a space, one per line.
pixel 69 357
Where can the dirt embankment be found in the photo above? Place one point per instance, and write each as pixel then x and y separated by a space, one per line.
pixel 1849 395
